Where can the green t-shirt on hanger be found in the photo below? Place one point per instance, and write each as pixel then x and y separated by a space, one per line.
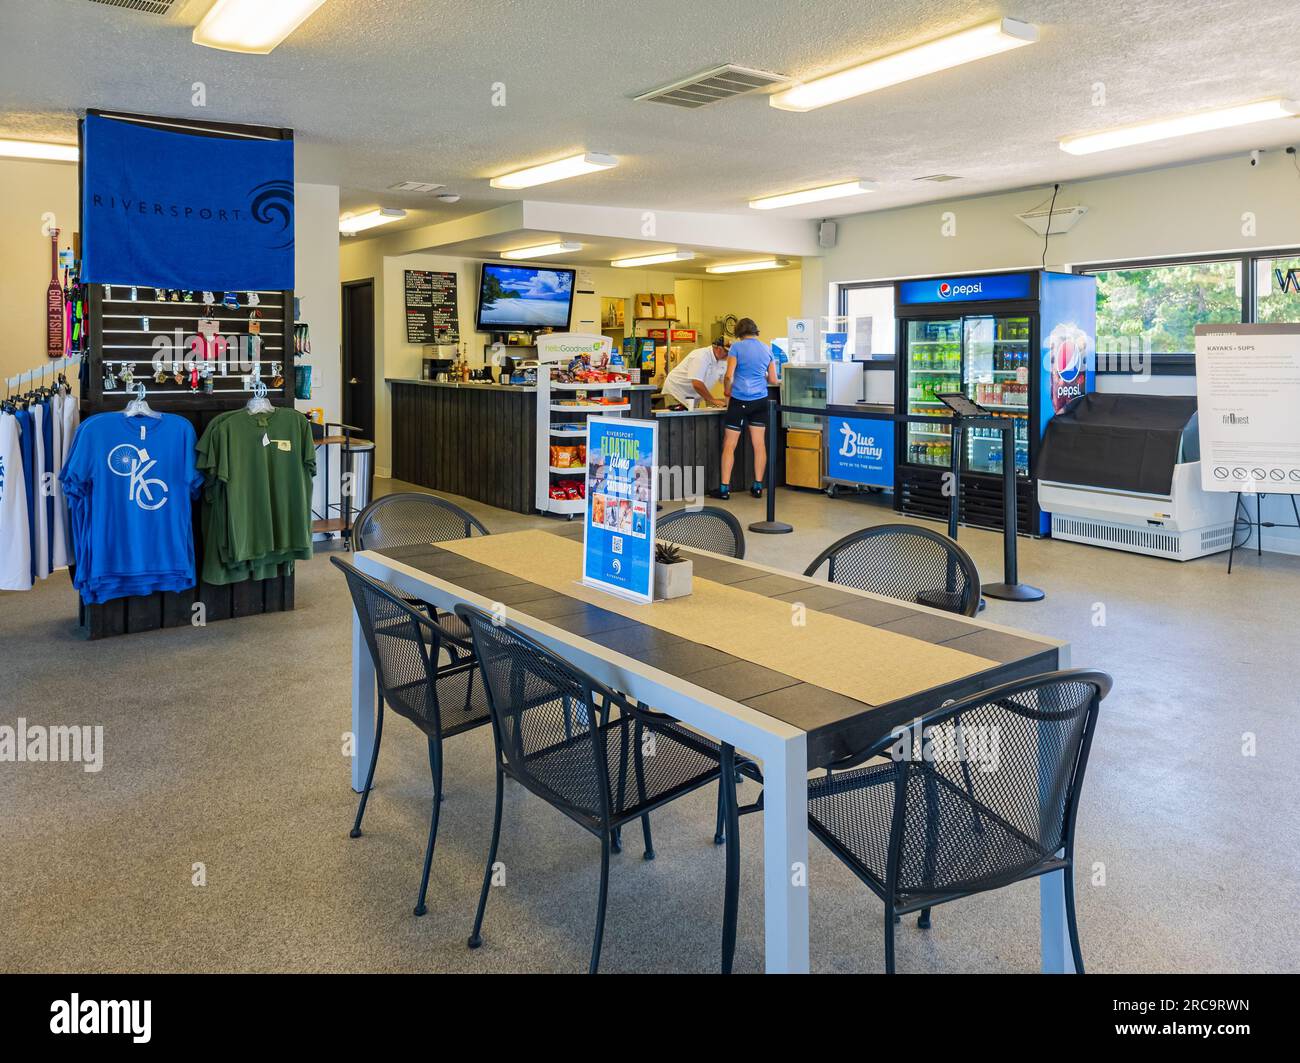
pixel 257 505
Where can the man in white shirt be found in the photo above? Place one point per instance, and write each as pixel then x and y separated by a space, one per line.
pixel 692 381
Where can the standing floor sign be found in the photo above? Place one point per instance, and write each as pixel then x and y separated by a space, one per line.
pixel 860 450
pixel 619 536
pixel 1248 401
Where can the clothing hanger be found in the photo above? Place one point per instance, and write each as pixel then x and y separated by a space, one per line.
pixel 259 403
pixel 137 407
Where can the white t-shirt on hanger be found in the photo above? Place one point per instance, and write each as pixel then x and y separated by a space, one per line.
pixel 61 549
pixel 15 538
pixel 36 506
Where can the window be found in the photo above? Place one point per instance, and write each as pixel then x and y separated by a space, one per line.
pixel 1162 305
pixel 875 301
pixel 1277 288
pixel 1152 308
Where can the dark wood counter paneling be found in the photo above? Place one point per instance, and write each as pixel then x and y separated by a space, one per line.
pixel 477 442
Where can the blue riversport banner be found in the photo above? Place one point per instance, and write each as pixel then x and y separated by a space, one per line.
pixel 182 210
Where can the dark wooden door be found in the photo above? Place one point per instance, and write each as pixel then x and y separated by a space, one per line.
pixel 359 356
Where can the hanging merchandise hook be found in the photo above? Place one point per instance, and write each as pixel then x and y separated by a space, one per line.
pixel 138 407
pixel 259 403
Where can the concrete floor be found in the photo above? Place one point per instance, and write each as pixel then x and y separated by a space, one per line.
pixel 224 747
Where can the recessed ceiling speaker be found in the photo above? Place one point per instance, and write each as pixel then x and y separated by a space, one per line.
pixel 827 233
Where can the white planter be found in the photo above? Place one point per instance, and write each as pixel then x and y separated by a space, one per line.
pixel 673 581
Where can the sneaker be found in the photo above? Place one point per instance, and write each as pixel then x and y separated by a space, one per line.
pixel 723 492
pixel 756 490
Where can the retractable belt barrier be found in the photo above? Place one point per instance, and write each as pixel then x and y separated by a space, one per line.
pixel 1010 588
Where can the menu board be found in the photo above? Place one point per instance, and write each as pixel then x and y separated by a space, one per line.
pixel 431 315
pixel 619 537
pixel 1247 395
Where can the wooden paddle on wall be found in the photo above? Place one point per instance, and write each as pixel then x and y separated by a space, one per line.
pixel 54 302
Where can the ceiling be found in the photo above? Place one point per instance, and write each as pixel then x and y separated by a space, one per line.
pixel 600 251
pixel 403 90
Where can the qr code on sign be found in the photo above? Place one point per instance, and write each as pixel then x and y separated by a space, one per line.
pixel 616 544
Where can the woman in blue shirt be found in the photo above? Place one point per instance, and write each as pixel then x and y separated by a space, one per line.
pixel 750 370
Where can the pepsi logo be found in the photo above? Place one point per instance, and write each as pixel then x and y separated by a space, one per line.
pixel 945 290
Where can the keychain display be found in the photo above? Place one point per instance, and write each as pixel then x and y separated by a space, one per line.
pixel 230 301
pixel 110 380
pixel 254 322
pixel 277 376
pixel 126 374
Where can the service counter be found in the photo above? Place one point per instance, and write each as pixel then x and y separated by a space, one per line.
pixel 480 441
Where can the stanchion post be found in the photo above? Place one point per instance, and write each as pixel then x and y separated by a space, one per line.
pixel 771 526
pixel 1010 589
pixel 954 470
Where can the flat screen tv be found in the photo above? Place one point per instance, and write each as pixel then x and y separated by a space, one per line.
pixel 524 298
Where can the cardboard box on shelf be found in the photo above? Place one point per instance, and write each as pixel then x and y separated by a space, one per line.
pixel 659 310
pixel 645 304
pixel 670 305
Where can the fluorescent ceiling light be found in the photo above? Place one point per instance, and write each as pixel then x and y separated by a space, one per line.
pixel 39 149
pixel 251 25
pixel 812 195
pixel 350 224
pixel 574 166
pixel 561 248
pixel 745 267
pixel 1167 128
pixel 654 260
pixel 979 42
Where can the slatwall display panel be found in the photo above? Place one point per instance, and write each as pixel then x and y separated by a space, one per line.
pixel 150 335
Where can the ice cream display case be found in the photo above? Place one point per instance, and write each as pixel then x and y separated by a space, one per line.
pixel 1021 345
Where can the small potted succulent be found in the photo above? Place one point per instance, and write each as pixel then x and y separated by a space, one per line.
pixel 672 572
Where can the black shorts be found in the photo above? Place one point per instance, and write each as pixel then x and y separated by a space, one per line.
pixel 740 413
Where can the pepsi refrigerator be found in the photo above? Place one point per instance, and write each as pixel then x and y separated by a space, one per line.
pixel 1022 345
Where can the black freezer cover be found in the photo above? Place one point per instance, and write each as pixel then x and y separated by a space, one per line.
pixel 1122 442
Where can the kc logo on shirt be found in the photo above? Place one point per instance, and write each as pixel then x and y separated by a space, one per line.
pixel 134 463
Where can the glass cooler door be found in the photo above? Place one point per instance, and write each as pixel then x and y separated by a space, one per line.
pixel 996 375
pixel 933 364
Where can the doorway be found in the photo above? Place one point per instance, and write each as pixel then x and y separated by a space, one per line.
pixel 359 356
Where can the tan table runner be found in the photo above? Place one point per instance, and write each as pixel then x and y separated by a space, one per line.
pixel 859 661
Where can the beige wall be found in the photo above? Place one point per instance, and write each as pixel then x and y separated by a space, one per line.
pixel 769 298
pixel 1175 211
pixel 29 189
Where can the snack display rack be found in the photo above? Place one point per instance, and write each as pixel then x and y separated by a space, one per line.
pixel 563 406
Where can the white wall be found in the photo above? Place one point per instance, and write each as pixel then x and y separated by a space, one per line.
pixel 1225 205
pixel 316 270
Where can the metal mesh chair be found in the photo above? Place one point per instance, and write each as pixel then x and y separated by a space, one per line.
pixel 905 562
pixel 978 795
pixel 706 528
pixel 441 701
pixel 589 752
pixel 410 518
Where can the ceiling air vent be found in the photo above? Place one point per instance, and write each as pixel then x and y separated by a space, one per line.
pixel 415 186
pixel 938 178
pixel 1061 219
pixel 145 7
pixel 720 83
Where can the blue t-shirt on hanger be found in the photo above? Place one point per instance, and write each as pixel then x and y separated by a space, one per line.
pixel 129 483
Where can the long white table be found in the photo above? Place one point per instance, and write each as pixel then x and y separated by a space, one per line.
pixel 772 735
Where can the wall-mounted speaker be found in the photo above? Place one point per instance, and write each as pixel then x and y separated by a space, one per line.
pixel 827 233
